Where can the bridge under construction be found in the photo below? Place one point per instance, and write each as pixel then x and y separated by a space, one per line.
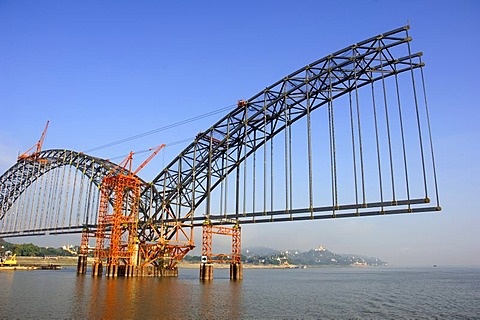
pixel 345 136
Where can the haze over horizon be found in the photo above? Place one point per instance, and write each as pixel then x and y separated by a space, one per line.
pixel 104 71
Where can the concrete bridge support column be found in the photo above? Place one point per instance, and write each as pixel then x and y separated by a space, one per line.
pixel 130 271
pixel 236 271
pixel 82 264
pixel 97 269
pixel 168 272
pixel 112 270
pixel 206 271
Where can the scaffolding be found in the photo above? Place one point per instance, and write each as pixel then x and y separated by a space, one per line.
pixel 83 252
pixel 117 244
pixel 208 257
pixel 116 236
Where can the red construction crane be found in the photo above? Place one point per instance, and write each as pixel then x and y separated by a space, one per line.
pixel 37 147
pixel 127 163
pixel 157 150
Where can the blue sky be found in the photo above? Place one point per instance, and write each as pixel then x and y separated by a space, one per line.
pixel 101 71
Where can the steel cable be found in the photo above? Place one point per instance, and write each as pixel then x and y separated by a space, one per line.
pixel 357 102
pixel 387 122
pixel 418 119
pixel 404 149
pixel 170 126
pixel 309 151
pixel 430 135
pixel 379 164
pixel 352 126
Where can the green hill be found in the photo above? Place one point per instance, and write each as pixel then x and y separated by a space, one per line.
pixel 313 257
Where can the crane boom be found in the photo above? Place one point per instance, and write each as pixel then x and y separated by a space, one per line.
pixel 157 150
pixel 40 142
pixel 37 146
pixel 126 163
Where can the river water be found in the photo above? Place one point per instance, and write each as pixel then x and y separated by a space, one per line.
pixel 323 293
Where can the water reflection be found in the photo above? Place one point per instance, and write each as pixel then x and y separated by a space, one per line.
pixel 220 299
pixel 110 298
pixel 157 298
pixel 359 293
pixel 6 278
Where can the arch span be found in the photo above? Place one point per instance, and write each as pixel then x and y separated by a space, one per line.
pixel 190 178
pixel 27 172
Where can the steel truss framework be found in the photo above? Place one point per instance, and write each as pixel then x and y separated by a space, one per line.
pixel 208 230
pixel 168 204
pixel 25 172
pixel 189 179
pixel 116 235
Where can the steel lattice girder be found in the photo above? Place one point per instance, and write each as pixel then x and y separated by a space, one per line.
pixel 21 175
pixel 216 152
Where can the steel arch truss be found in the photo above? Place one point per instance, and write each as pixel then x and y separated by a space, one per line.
pixel 15 181
pixel 189 179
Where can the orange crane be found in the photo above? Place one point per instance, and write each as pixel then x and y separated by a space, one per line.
pixel 37 147
pixel 157 150
pixel 127 162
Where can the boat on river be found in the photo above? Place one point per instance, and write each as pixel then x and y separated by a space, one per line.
pixel 9 262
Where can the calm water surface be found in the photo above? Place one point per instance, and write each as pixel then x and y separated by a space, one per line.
pixel 331 293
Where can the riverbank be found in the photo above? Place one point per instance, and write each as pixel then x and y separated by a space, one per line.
pixel 188 265
pixel 72 261
pixel 40 261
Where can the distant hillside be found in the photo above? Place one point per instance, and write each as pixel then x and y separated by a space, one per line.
pixel 256 256
pixel 259 251
pixel 31 250
pixel 314 257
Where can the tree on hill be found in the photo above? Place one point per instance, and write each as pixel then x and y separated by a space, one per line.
pixel 31 250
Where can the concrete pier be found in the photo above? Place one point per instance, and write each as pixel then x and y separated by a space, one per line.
pixel 97 269
pixel 112 270
pixel 236 271
pixel 206 271
pixel 130 271
pixel 155 271
pixel 82 264
pixel 168 272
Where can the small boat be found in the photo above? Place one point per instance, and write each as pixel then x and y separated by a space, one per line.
pixel 51 267
pixel 9 262
pixel 13 268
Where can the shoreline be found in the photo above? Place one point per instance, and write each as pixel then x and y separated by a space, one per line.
pixel 41 261
pixel 72 262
